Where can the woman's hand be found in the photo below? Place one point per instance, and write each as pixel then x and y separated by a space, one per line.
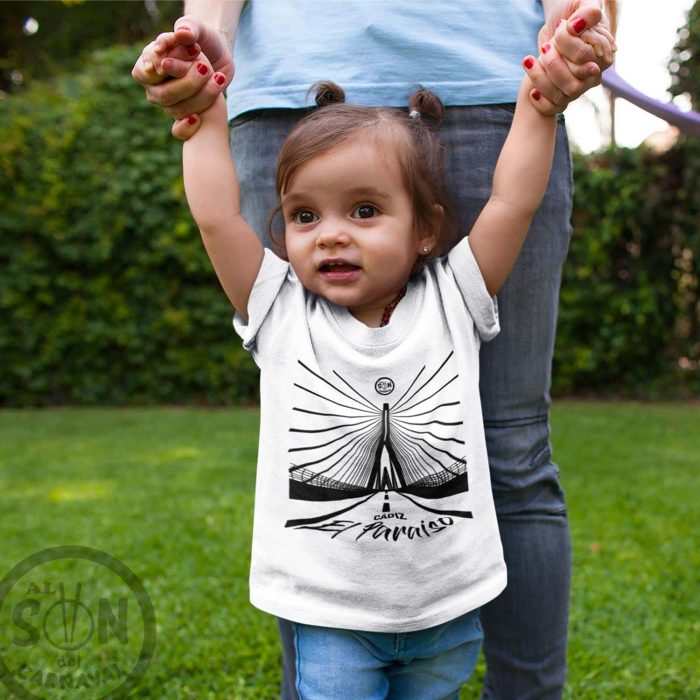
pixel 576 46
pixel 178 69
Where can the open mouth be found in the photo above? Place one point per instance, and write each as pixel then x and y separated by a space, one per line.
pixel 338 267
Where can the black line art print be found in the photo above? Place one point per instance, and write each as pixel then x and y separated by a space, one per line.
pixel 348 447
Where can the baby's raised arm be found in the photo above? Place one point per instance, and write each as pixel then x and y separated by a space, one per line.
pixel 211 186
pixel 519 183
pixel 522 172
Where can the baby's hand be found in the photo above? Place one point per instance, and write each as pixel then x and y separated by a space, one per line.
pixel 172 53
pixel 169 55
pixel 603 43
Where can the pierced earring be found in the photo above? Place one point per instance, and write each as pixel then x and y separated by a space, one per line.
pixel 425 250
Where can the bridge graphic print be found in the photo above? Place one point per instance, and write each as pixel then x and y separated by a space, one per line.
pixel 350 447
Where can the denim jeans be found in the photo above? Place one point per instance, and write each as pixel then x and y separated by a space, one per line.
pixel 525 627
pixel 431 664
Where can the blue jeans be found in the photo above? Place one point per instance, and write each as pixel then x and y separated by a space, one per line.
pixel 525 627
pixel 432 664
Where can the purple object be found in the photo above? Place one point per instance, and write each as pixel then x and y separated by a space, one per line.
pixel 687 122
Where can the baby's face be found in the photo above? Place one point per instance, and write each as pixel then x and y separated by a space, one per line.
pixel 349 229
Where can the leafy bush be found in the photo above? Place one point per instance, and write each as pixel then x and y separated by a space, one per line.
pixel 630 314
pixel 106 293
pixel 107 296
pixel 685 59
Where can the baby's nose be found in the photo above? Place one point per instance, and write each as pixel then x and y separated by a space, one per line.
pixel 333 233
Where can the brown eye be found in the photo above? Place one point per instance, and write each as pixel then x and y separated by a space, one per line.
pixel 304 216
pixel 365 211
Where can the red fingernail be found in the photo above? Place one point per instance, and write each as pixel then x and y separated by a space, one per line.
pixel 536 95
pixel 579 25
pixel 191 119
pixel 220 78
pixel 546 47
pixel 201 67
pixel 192 50
pixel 529 62
pixel 184 28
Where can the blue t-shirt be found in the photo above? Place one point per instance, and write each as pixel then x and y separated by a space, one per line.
pixel 380 51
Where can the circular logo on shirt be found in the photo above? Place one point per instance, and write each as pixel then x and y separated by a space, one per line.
pixel 384 386
pixel 74 622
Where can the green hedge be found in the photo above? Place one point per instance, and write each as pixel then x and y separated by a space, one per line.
pixel 106 295
pixel 629 318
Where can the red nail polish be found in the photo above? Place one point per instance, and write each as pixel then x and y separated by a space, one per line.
pixel 546 47
pixel 192 50
pixel 536 95
pixel 201 67
pixel 220 78
pixel 579 25
pixel 529 62
pixel 191 119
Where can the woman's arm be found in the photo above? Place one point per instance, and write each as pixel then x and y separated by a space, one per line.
pixel 519 183
pixel 213 194
pixel 219 15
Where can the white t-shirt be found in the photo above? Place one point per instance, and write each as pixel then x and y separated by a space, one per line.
pixel 373 506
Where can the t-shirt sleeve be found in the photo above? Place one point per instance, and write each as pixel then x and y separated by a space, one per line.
pixel 482 307
pixel 268 284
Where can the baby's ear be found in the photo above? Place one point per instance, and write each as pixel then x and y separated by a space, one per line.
pixel 432 235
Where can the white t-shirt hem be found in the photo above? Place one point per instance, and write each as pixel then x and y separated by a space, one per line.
pixel 343 618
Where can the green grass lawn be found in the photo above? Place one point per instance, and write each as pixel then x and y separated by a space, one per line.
pixel 170 493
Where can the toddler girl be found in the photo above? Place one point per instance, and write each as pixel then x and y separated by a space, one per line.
pixel 375 531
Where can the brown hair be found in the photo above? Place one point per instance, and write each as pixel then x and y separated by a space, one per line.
pixel 410 136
